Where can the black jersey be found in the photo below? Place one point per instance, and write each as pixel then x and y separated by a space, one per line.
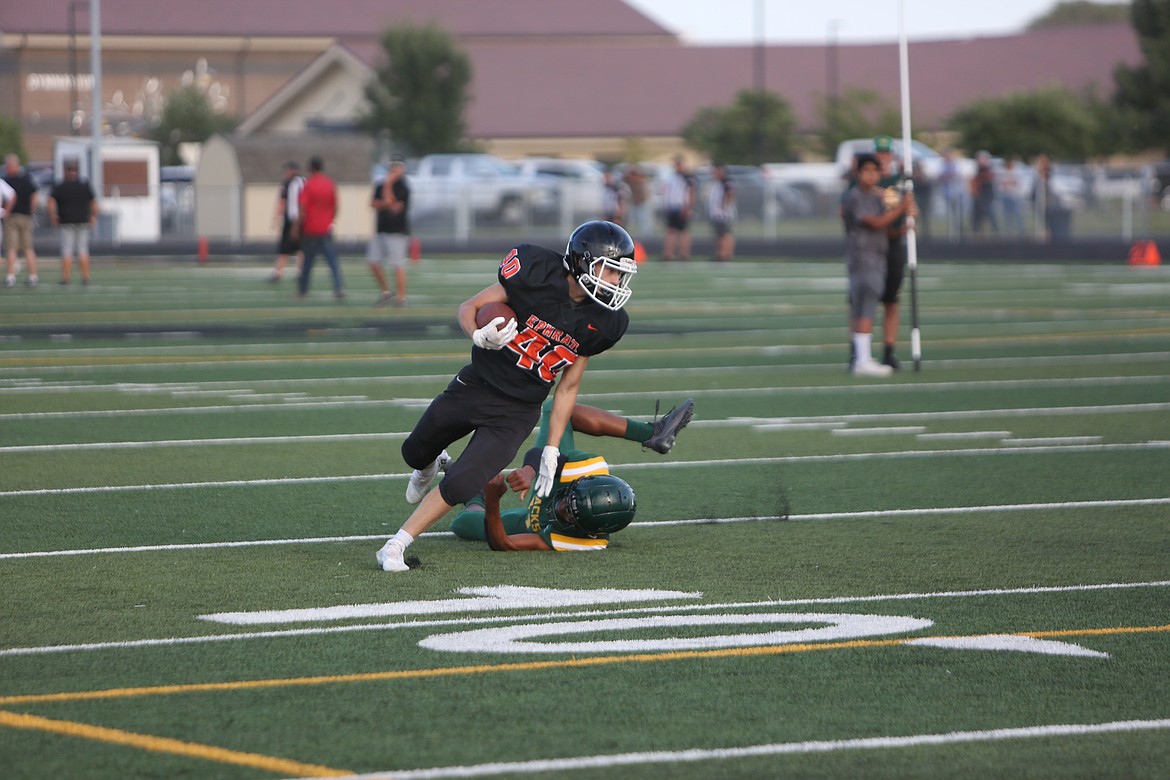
pixel 554 330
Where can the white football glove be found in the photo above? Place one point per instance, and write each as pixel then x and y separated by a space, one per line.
pixel 492 336
pixel 549 459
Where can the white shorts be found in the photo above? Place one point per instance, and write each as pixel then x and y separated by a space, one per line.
pixel 388 248
pixel 75 240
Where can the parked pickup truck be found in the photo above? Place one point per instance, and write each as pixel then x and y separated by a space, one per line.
pixel 488 186
pixel 823 182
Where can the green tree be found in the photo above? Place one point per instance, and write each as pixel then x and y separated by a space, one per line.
pixel 857 113
pixel 1080 12
pixel 756 127
pixel 1143 91
pixel 419 95
pixel 187 117
pixel 11 138
pixel 1052 120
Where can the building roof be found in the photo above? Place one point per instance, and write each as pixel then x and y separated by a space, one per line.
pixel 543 90
pixel 466 19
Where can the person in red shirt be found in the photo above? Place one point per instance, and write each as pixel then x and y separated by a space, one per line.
pixel 318 210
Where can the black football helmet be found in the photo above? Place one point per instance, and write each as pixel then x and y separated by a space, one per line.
pixel 598 246
pixel 600 504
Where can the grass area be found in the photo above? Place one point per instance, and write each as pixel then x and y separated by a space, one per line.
pixel 957 572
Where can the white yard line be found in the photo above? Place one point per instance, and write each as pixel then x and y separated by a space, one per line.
pixel 815 516
pixel 787 459
pixel 692 755
pixel 33 386
pixel 134 445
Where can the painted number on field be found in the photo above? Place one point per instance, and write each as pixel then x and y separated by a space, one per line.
pixel 545 632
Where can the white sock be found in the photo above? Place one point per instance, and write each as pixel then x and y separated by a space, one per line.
pixel 403 537
pixel 862 350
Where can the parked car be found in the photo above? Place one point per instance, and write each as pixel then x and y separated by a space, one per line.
pixel 1157 178
pixel 491 187
pixel 580 181
pixel 930 160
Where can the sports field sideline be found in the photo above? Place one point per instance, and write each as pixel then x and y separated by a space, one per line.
pixel 957 572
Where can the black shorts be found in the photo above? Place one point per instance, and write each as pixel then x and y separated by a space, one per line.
pixel 498 423
pixel 677 220
pixel 288 244
pixel 721 227
pixel 895 269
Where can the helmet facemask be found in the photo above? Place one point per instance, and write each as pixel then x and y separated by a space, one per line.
pixel 611 295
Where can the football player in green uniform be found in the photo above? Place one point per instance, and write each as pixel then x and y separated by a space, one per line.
pixel 588 503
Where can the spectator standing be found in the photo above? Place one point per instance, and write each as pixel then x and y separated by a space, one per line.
pixel 1010 186
pixel 7 201
pixel 721 211
pixel 615 198
pixel 19 228
pixel 950 183
pixel 641 218
pixel 924 197
pixel 1057 217
pixel 868 213
pixel 388 245
pixel 318 203
pixel 983 196
pixel 73 210
pixel 288 212
pixel 679 199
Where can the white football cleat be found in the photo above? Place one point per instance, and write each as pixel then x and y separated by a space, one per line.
pixel 421 481
pixel 871 368
pixel 390 557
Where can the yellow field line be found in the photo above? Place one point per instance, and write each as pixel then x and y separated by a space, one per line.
pixel 166 745
pixel 527 666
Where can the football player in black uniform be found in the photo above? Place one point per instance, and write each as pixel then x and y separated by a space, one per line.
pixel 568 308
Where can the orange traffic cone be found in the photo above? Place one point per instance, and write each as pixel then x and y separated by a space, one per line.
pixel 415 250
pixel 202 249
pixel 639 253
pixel 1145 253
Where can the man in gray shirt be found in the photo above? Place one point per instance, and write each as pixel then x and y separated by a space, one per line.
pixel 868 212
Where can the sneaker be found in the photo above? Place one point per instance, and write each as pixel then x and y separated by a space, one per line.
pixel 10 281
pixel 390 557
pixel 339 295
pixel 399 303
pixel 64 282
pixel 871 368
pixel 666 429
pixel 274 277
pixel 32 281
pixel 384 298
pixel 421 480
pixel 889 359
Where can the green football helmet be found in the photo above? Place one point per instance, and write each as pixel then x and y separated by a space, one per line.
pixel 596 505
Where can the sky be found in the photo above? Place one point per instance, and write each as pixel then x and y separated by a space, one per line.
pixel 723 22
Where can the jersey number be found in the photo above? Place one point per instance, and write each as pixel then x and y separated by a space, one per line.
pixel 536 353
pixel 510 266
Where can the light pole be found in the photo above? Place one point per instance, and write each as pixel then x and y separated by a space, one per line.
pixel 832 87
pixel 74 108
pixel 759 80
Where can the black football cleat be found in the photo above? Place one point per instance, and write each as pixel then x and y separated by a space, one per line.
pixel 666 429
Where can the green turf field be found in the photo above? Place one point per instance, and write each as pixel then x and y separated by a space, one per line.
pixel 957 572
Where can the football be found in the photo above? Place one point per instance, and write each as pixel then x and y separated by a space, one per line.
pixel 489 312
